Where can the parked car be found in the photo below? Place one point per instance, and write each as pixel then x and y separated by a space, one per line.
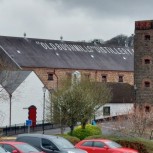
pixel 49 143
pixel 2 150
pixel 18 147
pixel 103 146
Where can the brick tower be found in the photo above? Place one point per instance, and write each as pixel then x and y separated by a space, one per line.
pixel 143 62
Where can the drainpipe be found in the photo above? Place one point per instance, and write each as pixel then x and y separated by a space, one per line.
pixel 56 78
pixel 96 75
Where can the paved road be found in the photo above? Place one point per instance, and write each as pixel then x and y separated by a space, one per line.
pixel 107 129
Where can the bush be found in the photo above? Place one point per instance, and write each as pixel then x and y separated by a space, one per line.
pixel 142 145
pixel 72 139
pixel 88 131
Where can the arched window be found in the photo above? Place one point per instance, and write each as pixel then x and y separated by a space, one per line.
pixel 147 61
pixel 147 84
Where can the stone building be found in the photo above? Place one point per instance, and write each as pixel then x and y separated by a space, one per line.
pixel 143 62
pixel 53 60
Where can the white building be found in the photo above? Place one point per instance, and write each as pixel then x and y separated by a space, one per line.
pixel 21 90
pixel 121 103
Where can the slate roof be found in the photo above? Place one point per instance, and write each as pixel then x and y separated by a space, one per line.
pixel 13 79
pixel 122 93
pixel 30 52
pixel 7 60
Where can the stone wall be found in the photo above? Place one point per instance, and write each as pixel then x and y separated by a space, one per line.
pixel 143 65
pixel 58 74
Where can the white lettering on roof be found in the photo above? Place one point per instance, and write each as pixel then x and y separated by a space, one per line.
pixel 83 48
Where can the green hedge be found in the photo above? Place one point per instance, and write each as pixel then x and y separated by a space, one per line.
pixel 142 145
pixel 88 131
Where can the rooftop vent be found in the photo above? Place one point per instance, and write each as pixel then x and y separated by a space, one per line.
pixel 57 54
pixel 24 35
pixel 18 52
pixel 61 38
pixel 92 56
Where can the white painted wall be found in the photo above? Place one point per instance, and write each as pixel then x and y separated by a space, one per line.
pixel 115 109
pixel 27 94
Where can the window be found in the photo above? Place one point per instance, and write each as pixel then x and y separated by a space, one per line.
pixel 9 147
pixel 147 84
pixel 106 110
pixel 50 76
pixel 120 78
pixel 147 61
pixel 87 76
pixel 88 143
pixel 69 75
pixel 48 144
pixel 104 78
pixel 25 148
pixel 99 144
pixel 147 109
pixel 147 37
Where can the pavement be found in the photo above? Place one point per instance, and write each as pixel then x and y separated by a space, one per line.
pixel 107 129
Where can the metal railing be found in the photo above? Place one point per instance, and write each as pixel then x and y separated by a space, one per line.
pixel 22 128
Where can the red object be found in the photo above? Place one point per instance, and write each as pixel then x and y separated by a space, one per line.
pixel 32 114
pixel 103 146
pixel 143 25
pixel 18 147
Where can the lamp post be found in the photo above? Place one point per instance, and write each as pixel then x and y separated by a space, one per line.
pixel 10 96
pixel 44 91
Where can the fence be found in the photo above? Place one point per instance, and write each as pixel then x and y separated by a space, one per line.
pixel 22 128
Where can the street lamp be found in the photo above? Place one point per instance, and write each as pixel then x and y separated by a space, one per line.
pixel 10 96
pixel 44 91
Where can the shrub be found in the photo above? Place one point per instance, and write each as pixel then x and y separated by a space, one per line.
pixel 72 139
pixel 142 145
pixel 88 131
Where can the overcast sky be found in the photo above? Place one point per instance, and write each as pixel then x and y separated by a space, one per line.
pixel 73 19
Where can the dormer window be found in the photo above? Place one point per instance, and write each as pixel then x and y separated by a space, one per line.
pixel 147 37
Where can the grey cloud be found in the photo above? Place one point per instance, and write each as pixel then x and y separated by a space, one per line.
pixel 109 8
pixel 74 19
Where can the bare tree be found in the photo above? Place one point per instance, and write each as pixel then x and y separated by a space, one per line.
pixel 138 122
pixel 78 102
